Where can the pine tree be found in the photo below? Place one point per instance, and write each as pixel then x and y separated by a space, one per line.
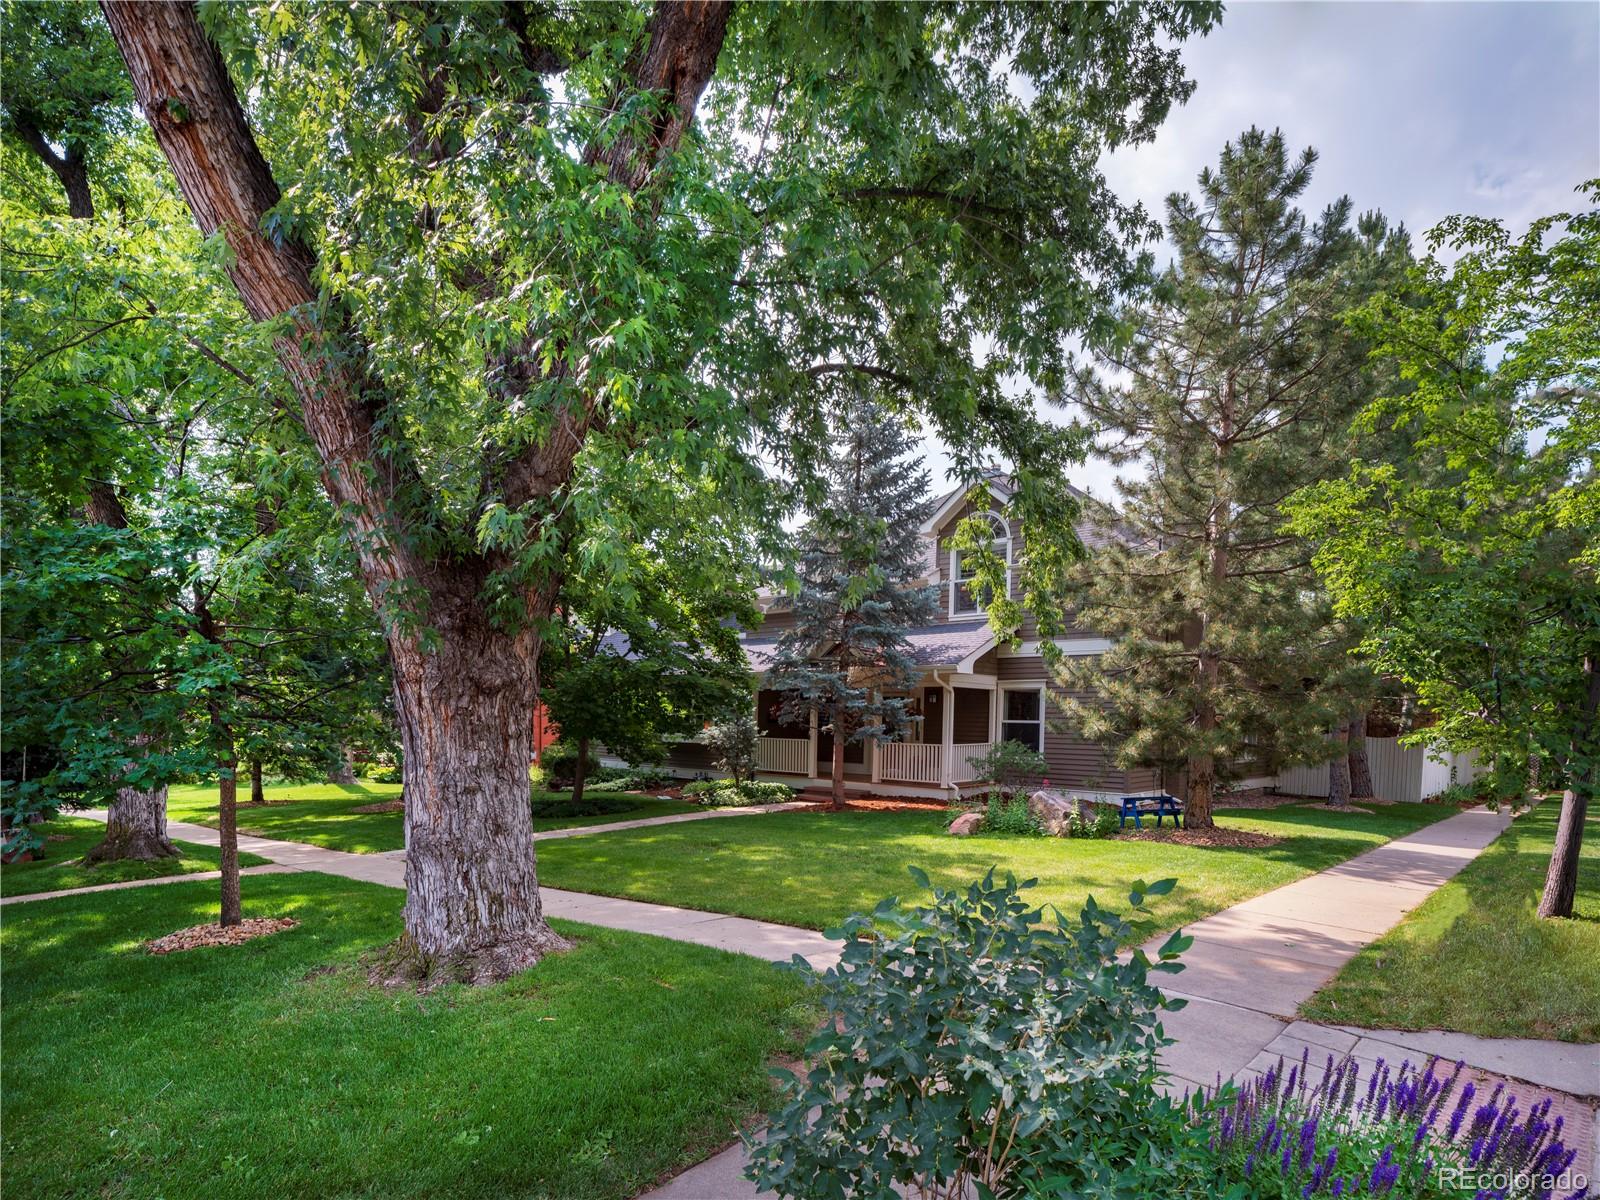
pixel 860 554
pixel 1241 381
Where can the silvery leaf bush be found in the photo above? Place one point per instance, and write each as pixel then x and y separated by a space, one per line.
pixel 976 1046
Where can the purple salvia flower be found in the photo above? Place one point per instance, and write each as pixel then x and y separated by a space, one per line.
pixel 1461 1110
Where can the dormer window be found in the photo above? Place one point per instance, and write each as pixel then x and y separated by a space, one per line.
pixel 963 600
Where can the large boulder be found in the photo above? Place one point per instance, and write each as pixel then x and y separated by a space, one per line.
pixel 1054 811
pixel 966 824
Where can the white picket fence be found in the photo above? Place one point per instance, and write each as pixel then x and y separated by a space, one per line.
pixel 1398 772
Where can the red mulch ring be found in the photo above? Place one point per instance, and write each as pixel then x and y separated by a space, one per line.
pixel 1232 839
pixel 888 804
pixel 213 934
pixel 382 806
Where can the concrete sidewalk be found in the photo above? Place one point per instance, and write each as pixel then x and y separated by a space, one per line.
pixel 192 877
pixel 761 939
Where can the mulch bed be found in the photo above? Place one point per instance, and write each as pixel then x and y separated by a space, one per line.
pixel 382 806
pixel 213 934
pixel 888 804
pixel 1264 801
pixel 1232 839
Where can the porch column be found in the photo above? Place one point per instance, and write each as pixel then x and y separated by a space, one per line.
pixel 948 736
pixel 811 754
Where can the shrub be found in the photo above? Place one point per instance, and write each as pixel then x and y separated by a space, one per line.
pixel 1398 1136
pixel 1011 765
pixel 589 806
pixel 631 779
pixel 725 793
pixel 559 762
pixel 732 742
pixel 380 772
pixel 1102 825
pixel 971 1047
pixel 1007 813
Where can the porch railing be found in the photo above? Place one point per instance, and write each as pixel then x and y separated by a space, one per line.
pixel 917 762
pixel 784 756
pixel 964 757
pixel 908 762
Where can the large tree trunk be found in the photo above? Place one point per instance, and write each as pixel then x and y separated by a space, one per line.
pixel 1583 777
pixel 136 828
pixel 1356 758
pixel 345 772
pixel 472 896
pixel 581 769
pixel 258 794
pixel 1339 773
pixel 1202 776
pixel 472 900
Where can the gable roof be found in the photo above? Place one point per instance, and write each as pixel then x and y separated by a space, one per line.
pixel 998 484
pixel 957 645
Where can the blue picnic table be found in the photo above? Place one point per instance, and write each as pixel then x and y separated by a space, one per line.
pixel 1161 803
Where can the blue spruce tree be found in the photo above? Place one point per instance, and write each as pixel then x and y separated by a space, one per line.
pixel 861 554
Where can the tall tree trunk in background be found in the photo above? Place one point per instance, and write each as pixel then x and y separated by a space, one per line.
pixel 580 770
pixel 466 701
pixel 136 828
pixel 136 820
pixel 71 169
pixel 345 772
pixel 1583 779
pixel 1360 768
pixel 257 794
pixel 1339 772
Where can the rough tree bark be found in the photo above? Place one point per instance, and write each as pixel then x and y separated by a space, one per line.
pixel 258 794
pixel 136 828
pixel 1583 780
pixel 1356 758
pixel 465 705
pixel 1339 772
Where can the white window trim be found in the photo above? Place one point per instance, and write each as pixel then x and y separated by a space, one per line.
pixel 1041 690
pixel 953 586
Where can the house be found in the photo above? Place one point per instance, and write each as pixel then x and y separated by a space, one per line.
pixel 972 691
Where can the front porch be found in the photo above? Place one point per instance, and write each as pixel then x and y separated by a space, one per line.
pixel 959 721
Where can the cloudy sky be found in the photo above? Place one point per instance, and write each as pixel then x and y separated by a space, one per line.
pixel 1419 109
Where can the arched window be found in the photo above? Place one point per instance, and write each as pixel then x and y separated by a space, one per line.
pixel 962 599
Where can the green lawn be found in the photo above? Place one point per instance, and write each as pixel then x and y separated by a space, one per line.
pixel 814 868
pixel 59 868
pixel 322 814
pixel 273 1069
pixel 1475 958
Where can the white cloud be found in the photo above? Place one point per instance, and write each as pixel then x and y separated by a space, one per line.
pixel 1418 109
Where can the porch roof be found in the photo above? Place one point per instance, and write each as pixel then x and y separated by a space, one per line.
pixel 957 644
